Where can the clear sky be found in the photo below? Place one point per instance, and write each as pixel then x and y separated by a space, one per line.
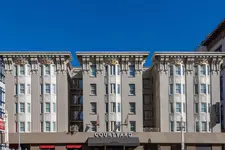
pixel 81 25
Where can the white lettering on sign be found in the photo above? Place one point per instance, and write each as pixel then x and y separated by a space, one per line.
pixel 112 134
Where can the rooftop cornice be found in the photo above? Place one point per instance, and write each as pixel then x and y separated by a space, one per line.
pixel 128 53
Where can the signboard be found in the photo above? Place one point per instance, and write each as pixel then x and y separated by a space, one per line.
pixel 2 124
pixel 112 134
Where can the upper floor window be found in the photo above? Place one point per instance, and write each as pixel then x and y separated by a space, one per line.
pixel 113 69
pixel 203 88
pixel 204 107
pixel 171 126
pixel 132 108
pixel 178 69
pixel 22 69
pixel 53 126
pixel 22 126
pixel 196 70
pixel 146 98
pixel 178 107
pixel 132 89
pixel 178 88
pixel 118 107
pixel 113 88
pixel 47 88
pixel 47 107
pixel 196 108
pixel 133 126
pixel 22 88
pixel 118 69
pixel 47 126
pixel 93 89
pixel 197 126
pixel 171 70
pixel 196 89
pixel 113 107
pixel 171 89
pixel 2 72
pixel 204 126
pixel 203 70
pixel 106 70
pixel 179 126
pixel 93 70
pixel 208 70
pixel 47 70
pixel 28 107
pixel 131 70
pixel 118 88
pixel 146 83
pixel 93 108
pixel 22 108
pixel 54 88
pixel 171 108
pixel 107 107
pixel 93 126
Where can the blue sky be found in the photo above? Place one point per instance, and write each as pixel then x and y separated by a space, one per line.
pixel 81 25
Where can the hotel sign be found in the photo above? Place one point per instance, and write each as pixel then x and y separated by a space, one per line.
pixel 112 134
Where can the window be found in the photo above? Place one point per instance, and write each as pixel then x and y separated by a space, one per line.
pixel 106 70
pixel 171 89
pixel 41 126
pixel 197 126
pixel 132 126
pixel 171 108
pixel 209 107
pixel 54 69
pixel 118 125
pixel 47 126
pixel 178 70
pixel 93 108
pixel 22 70
pixel 203 108
pixel 107 107
pixel 113 88
pixel 196 70
pixel 54 88
pixel 132 89
pixel 93 70
pixel 118 88
pixel 118 69
pixel 80 83
pixel 178 107
pixel 22 108
pixel 196 89
pixel 147 115
pixel 93 127
pixel 16 107
pixel 47 70
pixel 54 107
pixel 184 107
pixel 132 108
pixel 22 126
pixel 203 88
pixel 131 70
pixel 179 126
pixel 171 70
pixel 22 89
pixel 16 89
pixel 118 107
pixel 171 126
pixel 28 89
pixel 93 89
pixel 146 83
pixel 53 126
pixel 113 126
pixel 47 88
pixel 146 99
pixel 2 72
pixel 106 89
pixel 41 107
pixel 196 108
pixel 178 88
pixel 28 107
pixel 41 89
pixel 202 70
pixel 113 70
pixel 113 107
pixel 208 89
pixel 47 107
pixel 208 70
pixel 183 89
pixel 204 126
pixel 28 126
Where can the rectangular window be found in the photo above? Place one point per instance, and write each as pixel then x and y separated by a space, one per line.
pixel 16 89
pixel 22 88
pixel 179 126
pixel 118 125
pixel 196 70
pixel 146 99
pixel 53 126
pixel 118 107
pixel 113 88
pixel 106 70
pixel 16 107
pixel 47 126
pixel 132 108
pixel 54 107
pixel 196 89
pixel 107 107
pixel 47 70
pixel 42 128
pixel 178 70
pixel 208 89
pixel 171 108
pixel 197 126
pixel 41 89
pixel 113 107
pixel 54 88
pixel 196 108
pixel 22 126
pixel 178 107
pixel 184 107
pixel 113 70
pixel 171 89
pixel 146 83
pixel 93 89
pixel 171 70
pixel 171 126
pixel 131 70
pixel 28 89
pixel 132 89
pixel 22 70
pixel 93 70
pixel 202 70
pixel 203 107
pixel 118 88
pixel 93 127
pixel 28 107
pixel 47 89
pixel 41 107
pixel 203 88
pixel 118 69
pixel 183 88
pixel 178 88
pixel 132 126
pixel 204 126
pixel 22 108
pixel 28 126
pixel 80 83
pixel 47 107
pixel 208 70
pixel 93 108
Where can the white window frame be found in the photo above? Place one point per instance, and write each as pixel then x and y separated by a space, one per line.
pixel 47 69
pixel 47 123
pixel 28 108
pixel 22 85
pixel 93 89
pixel 178 104
pixel 47 89
pixel 22 108
pixel 93 108
pixel 46 104
pixel 22 72
pixel 22 125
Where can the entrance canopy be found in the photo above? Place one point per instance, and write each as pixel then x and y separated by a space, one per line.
pixel 111 141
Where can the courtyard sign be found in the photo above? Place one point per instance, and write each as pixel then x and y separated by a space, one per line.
pixel 112 134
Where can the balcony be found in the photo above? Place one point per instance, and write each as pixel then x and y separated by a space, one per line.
pixel 149 129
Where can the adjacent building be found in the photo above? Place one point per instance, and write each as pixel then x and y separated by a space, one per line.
pixel 112 101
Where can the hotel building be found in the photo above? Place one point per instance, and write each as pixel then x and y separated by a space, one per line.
pixel 112 102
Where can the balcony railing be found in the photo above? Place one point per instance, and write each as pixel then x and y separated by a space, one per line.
pixel 149 129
